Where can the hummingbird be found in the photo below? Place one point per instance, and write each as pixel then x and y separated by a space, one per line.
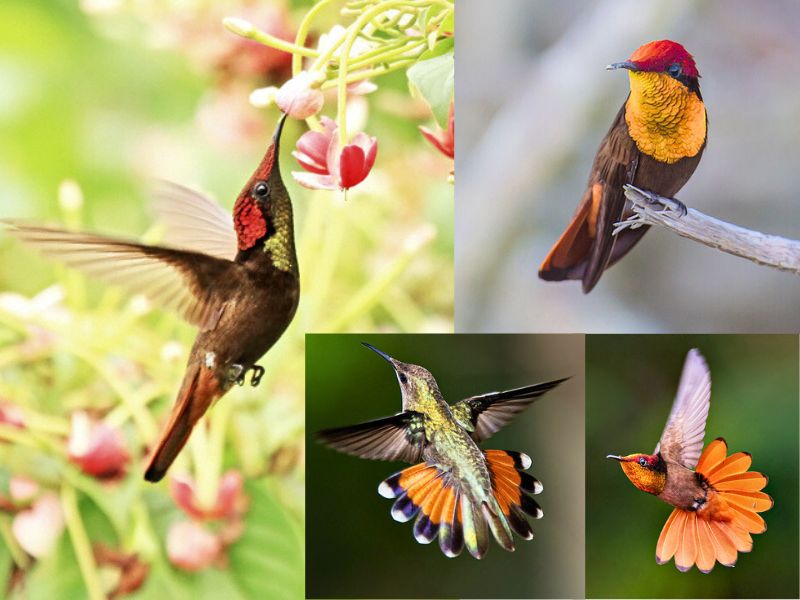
pixel 455 490
pixel 716 498
pixel 235 278
pixel 654 143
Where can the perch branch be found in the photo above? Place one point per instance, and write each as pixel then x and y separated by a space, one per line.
pixel 761 248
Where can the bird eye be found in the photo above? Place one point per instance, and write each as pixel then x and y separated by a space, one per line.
pixel 643 461
pixel 402 378
pixel 674 70
pixel 261 190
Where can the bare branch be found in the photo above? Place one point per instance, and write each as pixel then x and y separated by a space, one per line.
pixel 761 248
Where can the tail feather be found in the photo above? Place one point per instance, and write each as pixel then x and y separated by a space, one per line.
pixel 198 390
pixel 476 532
pixel 722 527
pixel 461 517
pixel 451 535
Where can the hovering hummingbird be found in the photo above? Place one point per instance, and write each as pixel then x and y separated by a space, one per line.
pixel 455 490
pixel 235 279
pixel 717 503
pixel 655 143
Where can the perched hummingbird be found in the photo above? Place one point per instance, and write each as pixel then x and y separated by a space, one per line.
pixel 235 279
pixel 716 504
pixel 456 490
pixel 654 143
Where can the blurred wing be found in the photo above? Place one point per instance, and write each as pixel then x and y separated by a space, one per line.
pixel 682 440
pixel 485 415
pixel 399 437
pixel 194 221
pixel 193 284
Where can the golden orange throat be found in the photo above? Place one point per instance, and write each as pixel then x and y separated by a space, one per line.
pixel 665 119
pixel 647 480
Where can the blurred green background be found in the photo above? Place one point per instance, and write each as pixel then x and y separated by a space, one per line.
pixel 630 385
pixel 353 546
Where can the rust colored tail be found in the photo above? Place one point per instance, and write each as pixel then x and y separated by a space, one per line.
pixel 720 528
pixel 198 390
pixel 446 508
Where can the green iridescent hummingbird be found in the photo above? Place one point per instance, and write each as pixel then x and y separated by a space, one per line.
pixel 455 490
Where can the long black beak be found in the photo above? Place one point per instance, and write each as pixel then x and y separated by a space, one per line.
pixel 380 353
pixel 614 457
pixel 631 66
pixel 276 137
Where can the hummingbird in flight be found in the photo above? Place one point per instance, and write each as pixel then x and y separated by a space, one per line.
pixel 235 278
pixel 716 498
pixel 655 143
pixel 455 490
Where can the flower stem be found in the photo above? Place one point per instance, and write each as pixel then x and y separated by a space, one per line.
pixel 302 34
pixel 81 543
pixel 18 555
pixel 247 30
pixel 375 290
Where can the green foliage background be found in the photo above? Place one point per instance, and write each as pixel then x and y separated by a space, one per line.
pixel 631 382
pixel 355 549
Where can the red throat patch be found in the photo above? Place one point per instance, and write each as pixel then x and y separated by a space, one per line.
pixel 248 219
pixel 249 222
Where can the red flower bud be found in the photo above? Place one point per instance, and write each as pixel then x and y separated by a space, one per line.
pixel 191 547
pixel 96 448
pixel 11 414
pixel 329 166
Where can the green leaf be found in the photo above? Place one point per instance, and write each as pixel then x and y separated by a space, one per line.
pixel 268 560
pixel 433 78
pixel 57 575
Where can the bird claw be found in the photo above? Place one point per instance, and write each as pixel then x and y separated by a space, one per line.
pixel 237 374
pixel 258 373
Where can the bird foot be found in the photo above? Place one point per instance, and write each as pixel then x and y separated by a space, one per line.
pixel 258 373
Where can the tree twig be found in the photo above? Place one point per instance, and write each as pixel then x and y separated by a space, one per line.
pixel 761 248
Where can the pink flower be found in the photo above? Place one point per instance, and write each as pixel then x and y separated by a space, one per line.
pixel 300 97
pixel 191 547
pixel 229 502
pixel 444 141
pixel 22 489
pixel 11 414
pixel 38 528
pixel 328 166
pixel 98 449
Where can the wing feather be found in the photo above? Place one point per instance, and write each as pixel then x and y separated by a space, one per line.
pixel 190 283
pixel 194 221
pixel 682 439
pixel 399 437
pixel 486 414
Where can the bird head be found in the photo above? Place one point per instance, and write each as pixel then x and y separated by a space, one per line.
pixel 666 58
pixel 417 385
pixel 253 208
pixel 648 472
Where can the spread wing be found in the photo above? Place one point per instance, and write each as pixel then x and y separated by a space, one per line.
pixel 194 221
pixel 682 439
pixel 399 437
pixel 486 414
pixel 195 285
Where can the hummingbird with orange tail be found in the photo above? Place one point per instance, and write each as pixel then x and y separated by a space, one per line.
pixel 655 143
pixel 716 498
pixel 235 279
pixel 456 491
